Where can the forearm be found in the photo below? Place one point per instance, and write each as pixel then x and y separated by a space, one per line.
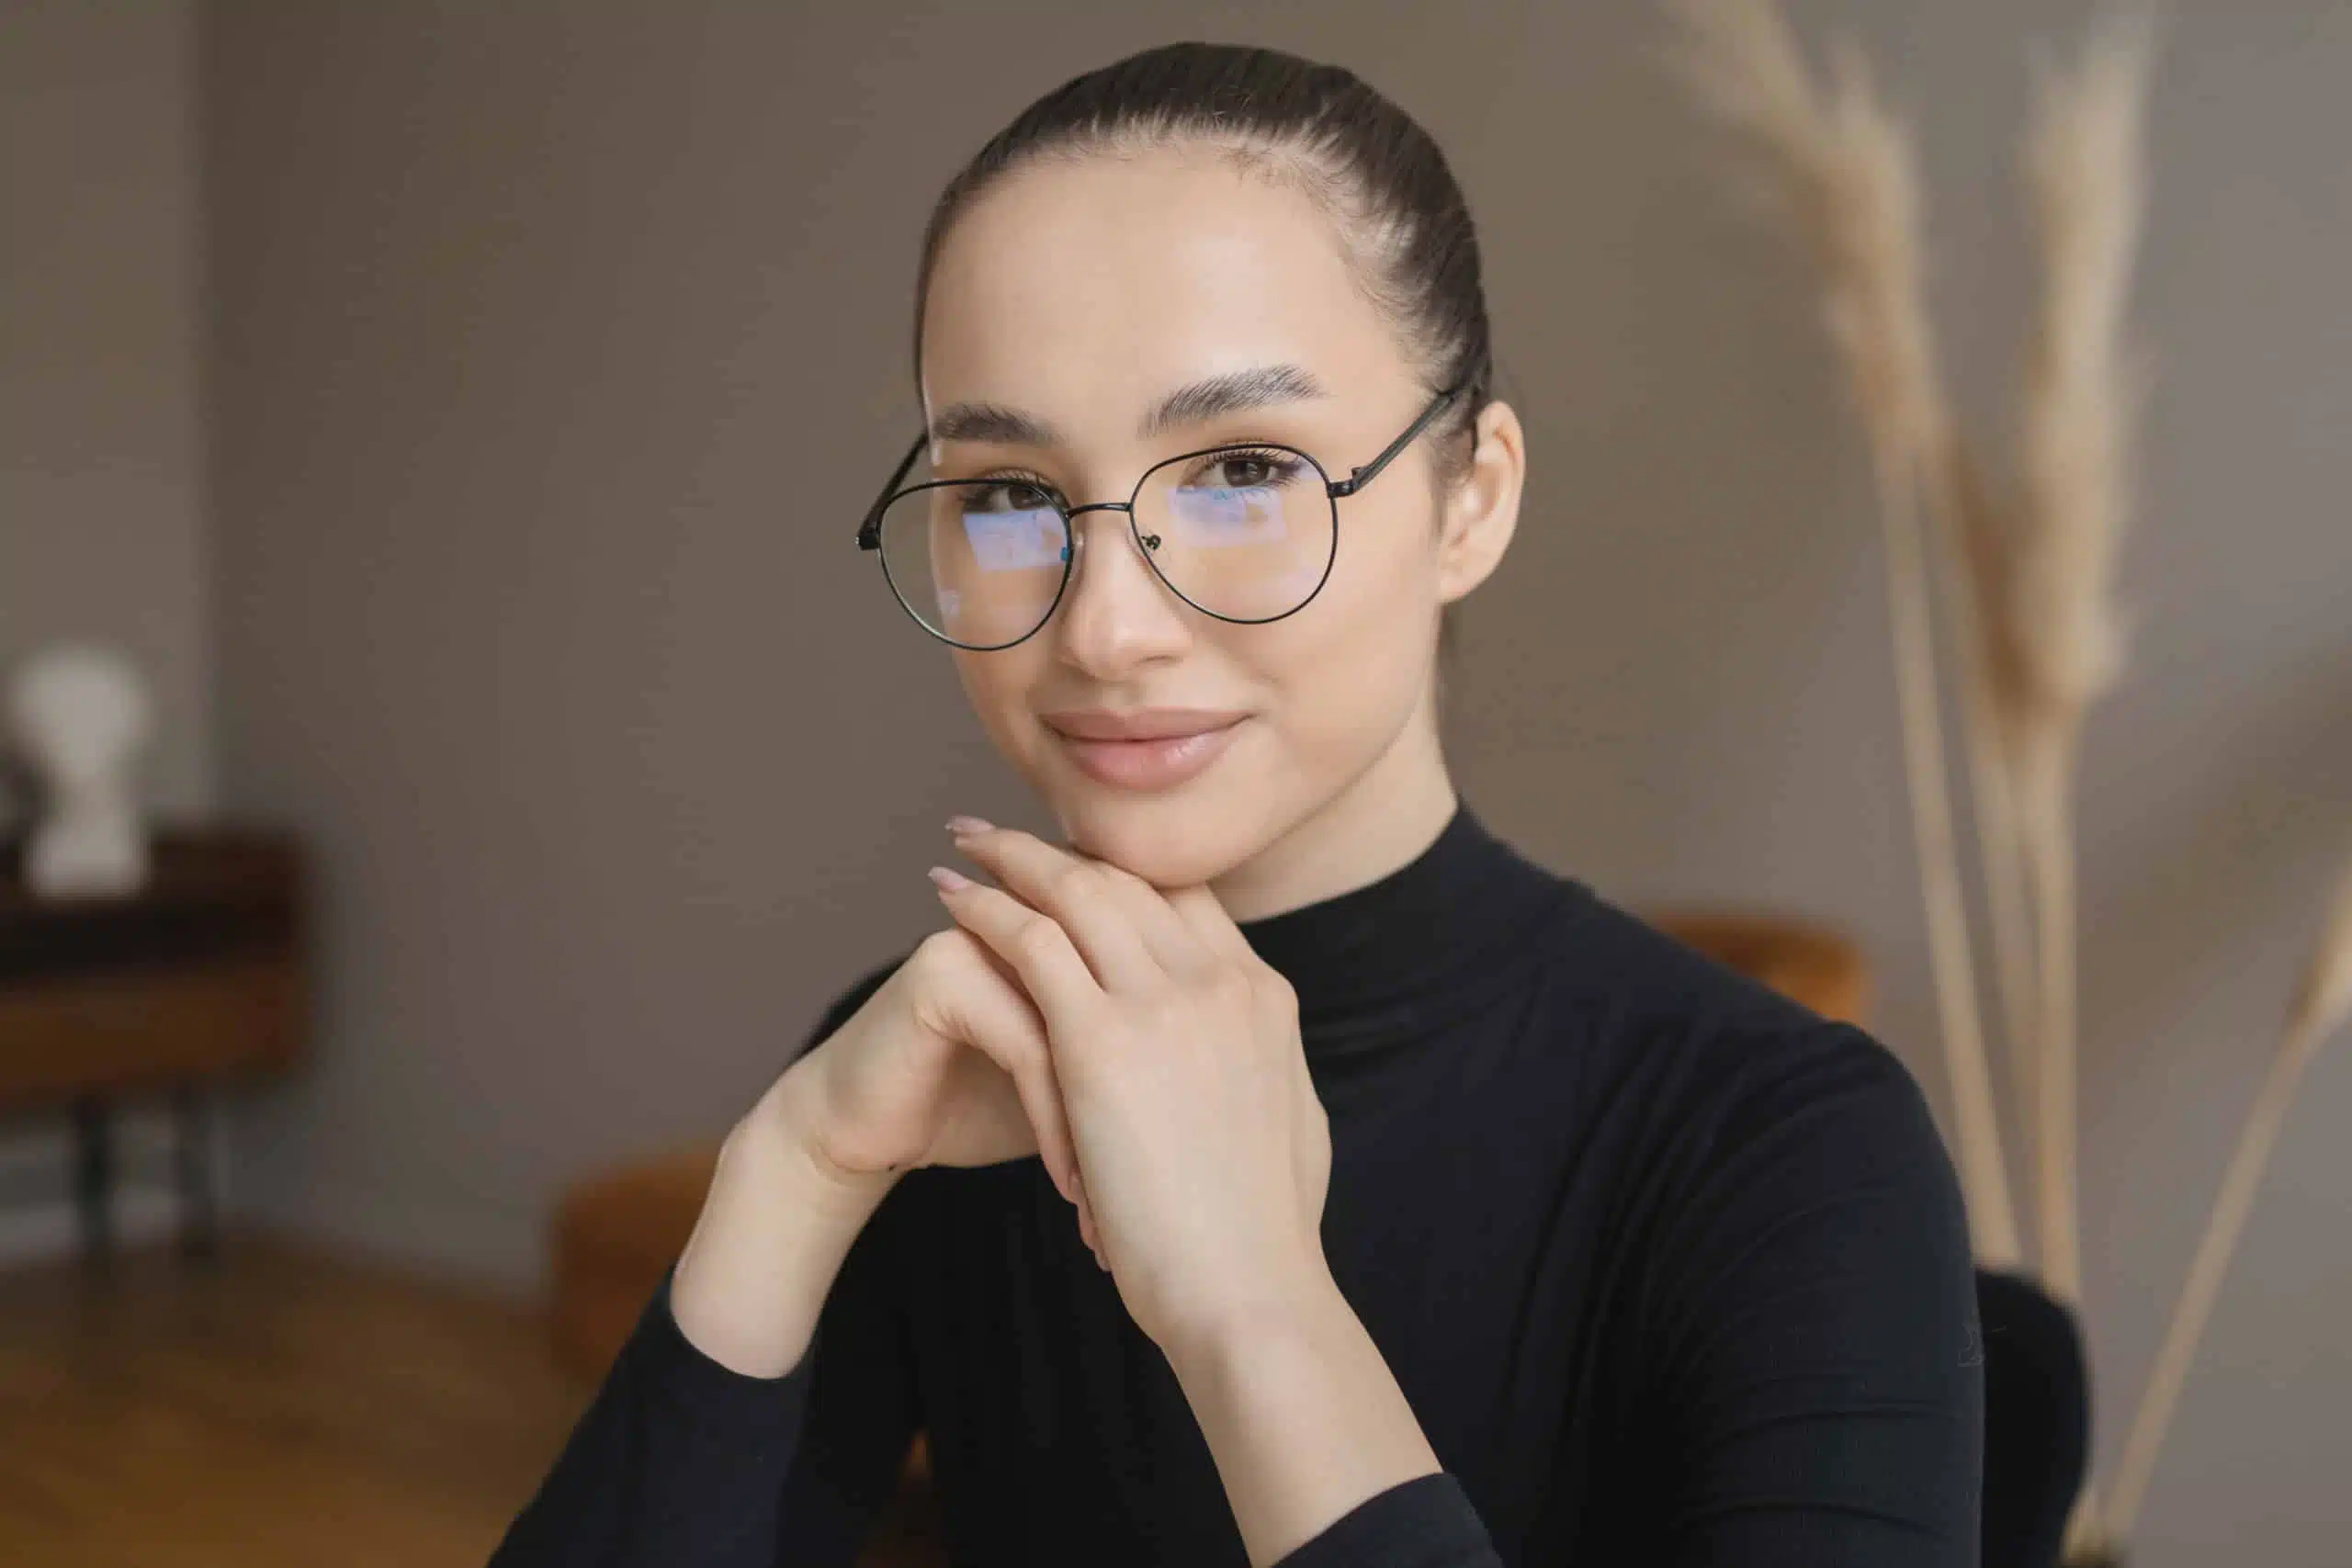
pixel 1302 1415
pixel 769 1241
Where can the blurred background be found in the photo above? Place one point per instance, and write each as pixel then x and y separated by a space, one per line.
pixel 460 414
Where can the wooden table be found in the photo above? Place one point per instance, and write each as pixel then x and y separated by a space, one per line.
pixel 195 981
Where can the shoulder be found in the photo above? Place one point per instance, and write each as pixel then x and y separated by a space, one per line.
pixel 1642 978
pixel 1794 1295
pixel 1735 1101
pixel 1685 1026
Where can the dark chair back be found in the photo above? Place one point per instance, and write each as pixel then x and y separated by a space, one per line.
pixel 2036 1420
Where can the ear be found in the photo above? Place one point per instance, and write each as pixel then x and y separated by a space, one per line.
pixel 1482 511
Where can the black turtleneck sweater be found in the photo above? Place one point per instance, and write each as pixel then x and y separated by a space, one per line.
pixel 1671 1270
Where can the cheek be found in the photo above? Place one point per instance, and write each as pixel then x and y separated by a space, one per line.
pixel 1350 667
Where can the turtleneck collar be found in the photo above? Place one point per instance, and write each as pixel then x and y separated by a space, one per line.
pixel 1400 956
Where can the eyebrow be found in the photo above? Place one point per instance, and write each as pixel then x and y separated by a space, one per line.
pixel 1260 386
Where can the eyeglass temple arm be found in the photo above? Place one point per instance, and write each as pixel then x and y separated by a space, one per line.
pixel 1359 478
pixel 869 533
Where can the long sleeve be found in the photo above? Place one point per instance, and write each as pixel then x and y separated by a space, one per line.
pixel 1427 1522
pixel 1812 1324
pixel 1809 1330
pixel 679 1459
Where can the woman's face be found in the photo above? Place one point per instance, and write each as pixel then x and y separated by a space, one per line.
pixel 1081 293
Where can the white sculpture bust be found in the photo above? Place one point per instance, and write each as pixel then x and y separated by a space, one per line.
pixel 80 716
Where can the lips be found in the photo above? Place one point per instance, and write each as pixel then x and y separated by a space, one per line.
pixel 1151 762
pixel 1139 724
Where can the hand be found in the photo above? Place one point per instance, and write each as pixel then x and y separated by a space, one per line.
pixel 946 1064
pixel 1206 1152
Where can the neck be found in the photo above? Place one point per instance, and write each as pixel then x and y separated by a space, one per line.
pixel 1392 812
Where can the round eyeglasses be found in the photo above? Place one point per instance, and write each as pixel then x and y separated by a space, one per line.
pixel 1246 532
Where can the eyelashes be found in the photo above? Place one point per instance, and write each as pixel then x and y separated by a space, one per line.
pixel 1282 466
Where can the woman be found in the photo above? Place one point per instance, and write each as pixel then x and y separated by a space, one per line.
pixel 1283 1169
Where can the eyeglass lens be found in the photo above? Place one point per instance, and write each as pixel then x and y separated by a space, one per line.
pixel 1245 533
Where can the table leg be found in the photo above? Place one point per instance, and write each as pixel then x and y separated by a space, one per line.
pixel 192 1168
pixel 93 1179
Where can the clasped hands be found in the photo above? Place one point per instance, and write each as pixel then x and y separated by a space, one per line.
pixel 1200 1146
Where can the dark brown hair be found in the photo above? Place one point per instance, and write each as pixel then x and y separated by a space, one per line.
pixel 1404 229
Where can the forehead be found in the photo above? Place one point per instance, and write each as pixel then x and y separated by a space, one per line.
pixel 1089 285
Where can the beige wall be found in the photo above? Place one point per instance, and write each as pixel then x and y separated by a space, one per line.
pixel 100 513
pixel 101 516
pixel 556 346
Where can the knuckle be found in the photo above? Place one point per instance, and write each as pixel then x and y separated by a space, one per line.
pixel 936 956
pixel 1037 939
pixel 1074 880
pixel 1168 1007
pixel 1274 990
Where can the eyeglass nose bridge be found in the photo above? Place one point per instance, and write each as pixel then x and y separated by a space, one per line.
pixel 1151 541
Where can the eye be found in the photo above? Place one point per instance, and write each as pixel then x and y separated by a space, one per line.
pixel 1010 492
pixel 1254 468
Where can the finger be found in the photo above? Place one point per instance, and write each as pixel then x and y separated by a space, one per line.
pixel 1101 1259
pixel 1076 894
pixel 1206 917
pixel 1086 1231
pixel 1166 933
pixel 997 1018
pixel 1035 944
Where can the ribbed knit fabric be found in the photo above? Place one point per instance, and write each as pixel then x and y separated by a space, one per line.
pixel 1671 1271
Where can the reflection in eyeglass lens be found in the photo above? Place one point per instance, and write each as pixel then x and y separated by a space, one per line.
pixel 1014 541
pixel 1213 515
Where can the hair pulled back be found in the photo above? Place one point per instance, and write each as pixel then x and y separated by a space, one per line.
pixel 1404 231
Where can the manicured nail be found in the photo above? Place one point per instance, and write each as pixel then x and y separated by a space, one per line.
pixel 949 881
pixel 960 825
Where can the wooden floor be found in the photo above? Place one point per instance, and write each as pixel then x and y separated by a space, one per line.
pixel 282 1407
pixel 278 1407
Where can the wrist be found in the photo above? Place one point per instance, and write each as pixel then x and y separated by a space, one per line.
pixel 774 1227
pixel 1301 1413
pixel 782 1134
pixel 1300 1308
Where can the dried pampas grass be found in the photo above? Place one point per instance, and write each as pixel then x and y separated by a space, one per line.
pixel 1973 536
pixel 2059 636
pixel 2030 582
pixel 1838 167
pixel 2322 1005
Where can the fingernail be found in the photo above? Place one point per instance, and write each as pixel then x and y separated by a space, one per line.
pixel 961 825
pixel 949 881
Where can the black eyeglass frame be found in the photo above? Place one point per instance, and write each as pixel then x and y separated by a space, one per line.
pixel 869 532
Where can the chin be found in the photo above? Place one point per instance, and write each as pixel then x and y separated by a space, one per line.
pixel 1175 839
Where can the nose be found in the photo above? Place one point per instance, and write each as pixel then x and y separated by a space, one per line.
pixel 1115 611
